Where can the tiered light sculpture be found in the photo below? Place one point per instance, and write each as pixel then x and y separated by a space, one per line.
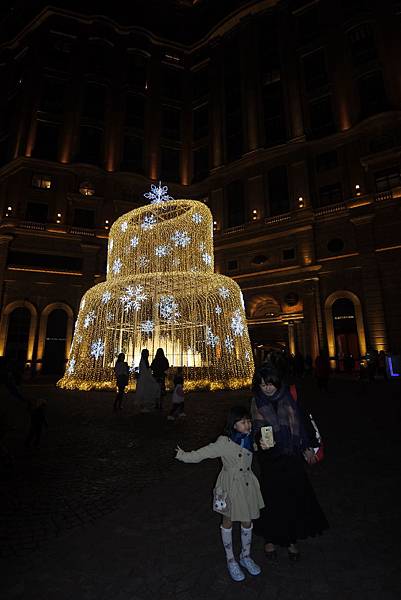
pixel 161 291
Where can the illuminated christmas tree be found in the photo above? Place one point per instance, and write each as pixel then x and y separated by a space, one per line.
pixel 161 291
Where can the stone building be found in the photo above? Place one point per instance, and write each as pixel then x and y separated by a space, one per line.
pixel 283 116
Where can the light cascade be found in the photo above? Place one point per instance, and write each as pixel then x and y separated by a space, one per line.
pixel 161 291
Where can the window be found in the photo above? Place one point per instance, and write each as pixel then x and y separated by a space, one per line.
pixel 84 217
pixel 94 102
pixel 135 111
pixel 58 52
pixel 52 98
pixel 233 106
pixel 291 299
pixel 387 179
pixel 235 203
pixel 315 70
pixel 274 114
pixel 200 122
pixel 137 70
pixel 362 45
pixel 99 57
pixel 171 123
pixel 326 161
pixel 46 141
pixel 335 245
pixel 172 83
pixel 372 94
pixel 269 54
pixel 289 254
pixel 200 83
pixel 132 159
pixel 43 182
pixel 170 164
pixel 277 188
pixel 37 212
pixel 90 145
pixel 259 259
pixel 232 265
pixel 86 189
pixel 321 117
pixel 330 194
pixel 201 163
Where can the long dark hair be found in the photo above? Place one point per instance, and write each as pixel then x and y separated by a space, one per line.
pixel 269 375
pixel 145 356
pixel 236 414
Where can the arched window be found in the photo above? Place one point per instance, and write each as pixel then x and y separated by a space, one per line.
pixel 18 335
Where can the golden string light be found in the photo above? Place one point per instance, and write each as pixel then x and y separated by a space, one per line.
pixel 161 291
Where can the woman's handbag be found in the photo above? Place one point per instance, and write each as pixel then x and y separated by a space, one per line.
pixel 221 502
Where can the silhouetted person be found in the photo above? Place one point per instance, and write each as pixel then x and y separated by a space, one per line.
pixel 121 371
pixel 322 372
pixel 159 367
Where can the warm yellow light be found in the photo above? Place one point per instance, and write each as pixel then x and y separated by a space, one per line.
pixel 161 291
pixel 59 215
pixel 9 208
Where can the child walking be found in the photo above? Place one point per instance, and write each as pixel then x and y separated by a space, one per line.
pixel 236 494
pixel 177 401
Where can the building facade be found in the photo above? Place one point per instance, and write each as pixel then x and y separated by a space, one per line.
pixel 284 117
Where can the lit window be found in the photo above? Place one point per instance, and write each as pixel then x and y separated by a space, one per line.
pixel 43 182
pixel 86 189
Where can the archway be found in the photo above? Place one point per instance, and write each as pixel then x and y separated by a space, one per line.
pixel 55 335
pixel 344 324
pixel 17 331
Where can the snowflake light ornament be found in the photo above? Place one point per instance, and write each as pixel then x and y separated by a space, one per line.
pixel 143 261
pixel 158 194
pixel 106 297
pixel 89 319
pixel 111 244
pixel 237 324
pixel 134 241
pixel 149 221
pixel 218 310
pixel 229 343
pixel 71 366
pixel 82 305
pixel 117 264
pixel 133 297
pixel 97 349
pixel 197 218
pixel 247 356
pixel 109 317
pixel 224 293
pixel 207 259
pixel 147 327
pixel 124 226
pixel 181 239
pixel 211 339
pixel 168 308
pixel 163 250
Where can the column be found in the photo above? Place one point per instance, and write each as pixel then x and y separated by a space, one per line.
pixel 216 104
pixel 310 321
pixel 373 297
pixel 153 117
pixel 89 267
pixel 4 242
pixel 291 337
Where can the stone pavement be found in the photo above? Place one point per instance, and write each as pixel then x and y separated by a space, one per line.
pixel 103 512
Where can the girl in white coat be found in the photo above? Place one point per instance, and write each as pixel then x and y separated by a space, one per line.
pixel 237 494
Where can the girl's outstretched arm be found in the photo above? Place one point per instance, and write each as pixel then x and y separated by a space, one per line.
pixel 213 450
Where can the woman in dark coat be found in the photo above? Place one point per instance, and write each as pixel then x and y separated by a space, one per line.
pixel 159 367
pixel 293 511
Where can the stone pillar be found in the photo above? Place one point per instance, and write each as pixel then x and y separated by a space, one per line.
pixel 311 324
pixel 216 104
pixel 89 266
pixel 217 202
pixel 4 242
pixel 372 300
pixel 291 337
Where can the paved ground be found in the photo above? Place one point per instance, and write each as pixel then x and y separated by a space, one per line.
pixel 102 511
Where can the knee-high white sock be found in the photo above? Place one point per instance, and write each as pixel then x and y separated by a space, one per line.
pixel 246 541
pixel 227 537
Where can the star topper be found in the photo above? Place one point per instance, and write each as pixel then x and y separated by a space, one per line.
pixel 158 194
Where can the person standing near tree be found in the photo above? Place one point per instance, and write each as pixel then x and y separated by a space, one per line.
pixel 121 371
pixel 159 367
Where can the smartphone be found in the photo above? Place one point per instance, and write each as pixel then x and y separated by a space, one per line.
pixel 267 436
